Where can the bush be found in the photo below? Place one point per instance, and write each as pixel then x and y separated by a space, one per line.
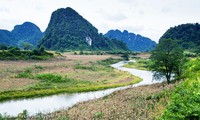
pixel 185 100
pixel 55 78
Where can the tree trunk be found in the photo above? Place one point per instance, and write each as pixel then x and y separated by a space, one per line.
pixel 168 78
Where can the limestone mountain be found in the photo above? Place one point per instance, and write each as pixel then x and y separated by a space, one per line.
pixel 27 32
pixel 133 41
pixel 187 34
pixel 7 38
pixel 67 30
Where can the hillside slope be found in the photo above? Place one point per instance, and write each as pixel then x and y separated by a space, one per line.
pixel 67 30
pixel 133 41
pixel 188 34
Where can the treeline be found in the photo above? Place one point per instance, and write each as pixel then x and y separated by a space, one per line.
pixel 14 53
pixel 187 34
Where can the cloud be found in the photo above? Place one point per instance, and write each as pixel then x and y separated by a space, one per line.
pixel 115 17
pixel 4 10
pixel 165 10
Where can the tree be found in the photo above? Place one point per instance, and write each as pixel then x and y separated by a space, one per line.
pixel 26 46
pixel 126 56
pixel 3 47
pixel 167 59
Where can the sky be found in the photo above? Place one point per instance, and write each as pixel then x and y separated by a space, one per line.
pixel 149 18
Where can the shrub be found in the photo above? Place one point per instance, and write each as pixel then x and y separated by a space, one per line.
pixel 55 78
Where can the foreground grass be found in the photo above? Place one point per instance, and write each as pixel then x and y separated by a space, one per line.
pixel 75 77
pixel 133 103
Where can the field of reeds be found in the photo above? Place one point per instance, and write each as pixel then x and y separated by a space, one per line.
pixel 69 73
pixel 133 104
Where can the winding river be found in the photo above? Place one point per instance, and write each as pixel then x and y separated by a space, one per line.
pixel 64 101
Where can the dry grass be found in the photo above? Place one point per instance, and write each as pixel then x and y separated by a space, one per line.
pixel 143 55
pixel 63 66
pixel 129 104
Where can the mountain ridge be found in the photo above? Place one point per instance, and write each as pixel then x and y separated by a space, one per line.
pixel 26 32
pixel 135 42
pixel 188 35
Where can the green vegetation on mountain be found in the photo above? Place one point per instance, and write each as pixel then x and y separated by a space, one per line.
pixel 67 30
pixel 133 41
pixel 188 34
pixel 25 33
pixel 7 38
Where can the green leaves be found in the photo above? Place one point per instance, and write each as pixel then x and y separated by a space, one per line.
pixel 185 100
pixel 167 59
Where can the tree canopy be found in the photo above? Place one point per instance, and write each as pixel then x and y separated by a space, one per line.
pixel 188 34
pixel 167 60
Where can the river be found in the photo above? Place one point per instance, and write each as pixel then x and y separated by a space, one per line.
pixel 65 101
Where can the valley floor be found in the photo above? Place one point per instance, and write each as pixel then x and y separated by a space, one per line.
pixel 68 73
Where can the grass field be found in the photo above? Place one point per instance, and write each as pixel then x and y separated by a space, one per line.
pixel 69 73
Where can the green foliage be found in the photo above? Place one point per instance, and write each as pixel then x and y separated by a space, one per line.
pixel 38 67
pixel 25 33
pixel 98 116
pixel 55 78
pixel 26 46
pixel 3 47
pixel 23 116
pixel 68 30
pixel 185 100
pixel 188 34
pixel 125 56
pixel 14 53
pixel 7 38
pixel 108 61
pixel 167 59
pixel 142 64
pixel 133 41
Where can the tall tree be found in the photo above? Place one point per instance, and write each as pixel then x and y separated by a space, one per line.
pixel 167 59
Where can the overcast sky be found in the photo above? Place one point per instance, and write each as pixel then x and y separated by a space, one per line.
pixel 150 18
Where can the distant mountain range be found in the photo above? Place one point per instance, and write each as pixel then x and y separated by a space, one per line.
pixel 133 41
pixel 27 32
pixel 187 34
pixel 7 38
pixel 67 30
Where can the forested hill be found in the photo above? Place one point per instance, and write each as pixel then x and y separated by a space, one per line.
pixel 188 34
pixel 67 30
pixel 27 32
pixel 133 41
pixel 7 38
